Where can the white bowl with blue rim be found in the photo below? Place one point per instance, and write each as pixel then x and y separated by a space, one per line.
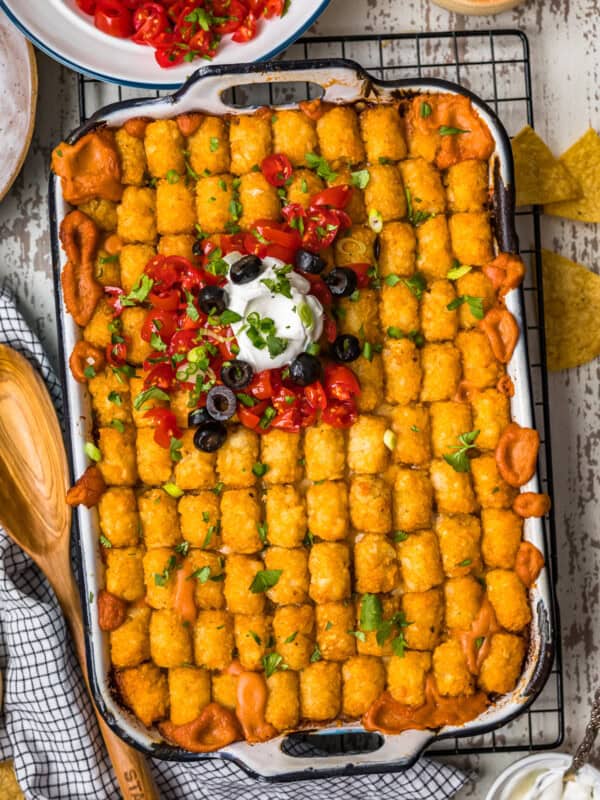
pixel 64 32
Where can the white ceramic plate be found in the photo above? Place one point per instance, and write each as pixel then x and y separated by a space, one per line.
pixel 18 96
pixel 68 35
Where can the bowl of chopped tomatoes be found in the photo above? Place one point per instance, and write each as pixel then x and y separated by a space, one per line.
pixel 157 44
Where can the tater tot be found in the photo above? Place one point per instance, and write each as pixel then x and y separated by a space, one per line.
pixel 375 565
pixel 508 596
pixel 224 689
pixel 240 572
pixel 463 600
pixel 438 322
pixel 449 420
pixel 339 139
pixel 175 212
pixel 158 517
pixel 249 140
pixel 423 184
pixel 164 146
pixel 295 135
pixel 133 259
pixel 177 245
pixel 283 703
pixel 251 632
pixel 370 504
pixel 434 257
pixel 110 398
pixel 236 458
pixel 96 332
pixel 154 463
pixel 170 639
pixel 355 246
pixel 406 677
pixel 292 586
pixel 320 690
pixel 425 613
pixel 474 284
pixel 195 470
pixel 280 451
pixel 200 520
pixel 385 192
pixel 302 185
pixel 360 316
pixel 491 415
pixel 441 371
pixel 420 561
pixel 189 693
pixel 402 367
pixel 240 518
pixel 118 463
pixel 119 520
pixel 381 129
pixel 138 350
pixel 459 537
pixel 294 629
pixel 286 516
pixel 145 691
pixel 501 668
pixel 355 209
pixel 324 452
pixel 207 572
pixel 452 676
pixel 158 565
pixel 214 195
pixel 333 623
pixel 467 185
pixel 398 246
pixel 491 489
pixel 327 506
pixel 412 428
pixel 479 364
pixel 130 642
pixel 213 639
pixel 367 453
pixel 363 680
pixel 370 378
pixel 136 215
pixel 452 490
pixel 398 308
pixel 367 644
pixel 258 199
pixel 471 237
pixel 329 567
pixel 124 573
pixel 132 157
pixel 502 532
pixel 412 500
pixel 209 147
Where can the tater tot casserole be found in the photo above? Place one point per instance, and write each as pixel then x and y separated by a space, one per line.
pixel 306 473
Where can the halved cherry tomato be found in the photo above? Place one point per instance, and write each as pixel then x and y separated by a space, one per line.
pixel 87 6
pixel 165 276
pixel 335 196
pixel 250 417
pixel 274 8
pixel 159 321
pixel 183 341
pixel 340 414
pixel 233 12
pixel 322 226
pixel 170 56
pixel 149 20
pixel 232 242
pixel 204 43
pixel 113 18
pixel 115 296
pixel 116 354
pixel 186 25
pixel 256 7
pixel 169 300
pixel 261 386
pixel 341 383
pixel 315 395
pixel 277 169
pixel 361 271
pixel 277 233
pixel 246 31
pixel 162 375
pixel 166 425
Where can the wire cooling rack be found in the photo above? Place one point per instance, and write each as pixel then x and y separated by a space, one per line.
pixel 495 65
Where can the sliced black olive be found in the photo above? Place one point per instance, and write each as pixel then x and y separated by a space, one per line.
pixel 197 417
pixel 246 269
pixel 346 348
pixel 212 300
pixel 309 262
pixel 341 281
pixel 210 436
pixel 237 374
pixel 221 403
pixel 198 247
pixel 305 369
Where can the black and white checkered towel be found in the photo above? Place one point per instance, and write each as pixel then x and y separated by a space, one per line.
pixel 48 726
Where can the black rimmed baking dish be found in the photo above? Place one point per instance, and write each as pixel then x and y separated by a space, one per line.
pixel 355 752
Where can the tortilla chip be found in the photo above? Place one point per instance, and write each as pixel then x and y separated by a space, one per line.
pixel 583 162
pixel 571 303
pixel 539 176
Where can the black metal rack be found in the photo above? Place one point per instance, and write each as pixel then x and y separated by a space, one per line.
pixel 495 65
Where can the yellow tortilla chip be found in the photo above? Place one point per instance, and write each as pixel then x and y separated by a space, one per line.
pixel 539 176
pixel 571 303
pixel 583 162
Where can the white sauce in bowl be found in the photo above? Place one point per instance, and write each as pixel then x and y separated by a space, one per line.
pixel 547 784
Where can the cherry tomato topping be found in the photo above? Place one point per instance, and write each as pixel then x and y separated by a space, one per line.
pixel 159 321
pixel 87 6
pixel 250 417
pixel 233 12
pixel 114 19
pixel 261 386
pixel 183 341
pixel 277 233
pixel 162 375
pixel 168 300
pixel 335 196
pixel 246 31
pixel 166 425
pixel 149 20
pixel 170 56
pixel 315 395
pixel 273 8
pixel 340 414
pixel 340 382
pixel 116 354
pixel 277 169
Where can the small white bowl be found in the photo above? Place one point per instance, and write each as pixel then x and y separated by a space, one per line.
pixel 505 784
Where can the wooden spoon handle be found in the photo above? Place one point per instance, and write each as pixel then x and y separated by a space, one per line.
pixel 130 766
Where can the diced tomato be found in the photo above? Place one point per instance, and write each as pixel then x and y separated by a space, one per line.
pixel 116 354
pixel 170 56
pixel 335 196
pixel 330 329
pixel 185 28
pixel 246 31
pixel 162 375
pixel 115 296
pixel 233 12
pixel 250 417
pixel 361 271
pixel 277 169
pixel 274 8
pixel 113 18
pixel 341 383
pixel 256 7
pixel 166 425
pixel 204 43
pixel 261 386
pixel 159 321
pixel 277 233
pixel 183 341
pixel 232 242
pixel 149 20
pixel 169 300
pixel 322 226
pixel 315 395
pixel 87 6
pixel 340 414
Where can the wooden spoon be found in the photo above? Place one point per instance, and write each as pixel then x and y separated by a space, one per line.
pixel 33 483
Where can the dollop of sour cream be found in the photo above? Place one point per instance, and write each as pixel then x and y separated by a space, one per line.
pixel 274 328
pixel 547 784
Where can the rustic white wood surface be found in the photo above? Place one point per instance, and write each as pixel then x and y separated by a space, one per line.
pixel 564 37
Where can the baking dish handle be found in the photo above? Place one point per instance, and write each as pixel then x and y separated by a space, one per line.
pixel 269 760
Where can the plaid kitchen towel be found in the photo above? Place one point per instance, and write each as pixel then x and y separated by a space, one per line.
pixel 48 726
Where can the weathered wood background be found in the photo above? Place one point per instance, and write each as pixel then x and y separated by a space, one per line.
pixel 565 47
